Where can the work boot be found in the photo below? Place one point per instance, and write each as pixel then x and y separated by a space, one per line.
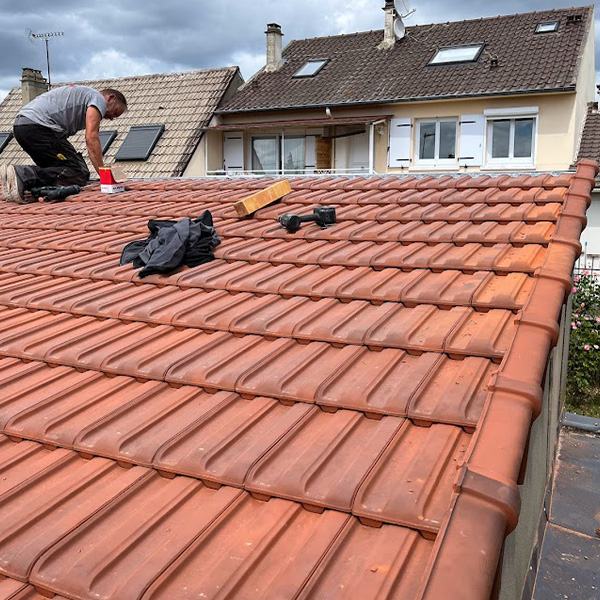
pixel 15 191
pixel 4 182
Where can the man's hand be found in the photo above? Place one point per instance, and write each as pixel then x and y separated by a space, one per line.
pixel 92 139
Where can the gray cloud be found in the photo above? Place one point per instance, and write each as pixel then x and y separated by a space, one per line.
pixel 113 38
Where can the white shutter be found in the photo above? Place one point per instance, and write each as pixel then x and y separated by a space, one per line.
pixel 400 135
pixel 472 130
pixel 233 152
pixel 310 149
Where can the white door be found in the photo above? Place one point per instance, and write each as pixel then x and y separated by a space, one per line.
pixel 358 156
pixel 233 152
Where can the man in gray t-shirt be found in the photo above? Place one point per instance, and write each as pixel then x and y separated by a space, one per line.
pixel 42 128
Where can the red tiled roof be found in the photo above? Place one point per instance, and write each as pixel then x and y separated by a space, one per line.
pixel 333 413
pixel 514 60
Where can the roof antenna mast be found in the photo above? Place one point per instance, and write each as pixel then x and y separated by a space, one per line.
pixel 46 37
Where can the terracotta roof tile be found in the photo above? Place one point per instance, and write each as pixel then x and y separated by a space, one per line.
pixel 310 404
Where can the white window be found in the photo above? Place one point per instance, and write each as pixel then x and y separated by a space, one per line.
pixel 511 142
pixel 547 27
pixel 457 54
pixel 311 68
pixel 436 142
pixel 273 154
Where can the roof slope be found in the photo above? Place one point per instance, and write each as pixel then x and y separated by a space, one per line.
pixel 343 376
pixel 183 102
pixel 357 72
pixel 589 145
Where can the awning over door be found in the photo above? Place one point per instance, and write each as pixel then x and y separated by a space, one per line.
pixel 303 123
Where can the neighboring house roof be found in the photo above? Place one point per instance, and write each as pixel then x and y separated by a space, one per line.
pixel 358 72
pixel 183 102
pixel 379 394
pixel 589 145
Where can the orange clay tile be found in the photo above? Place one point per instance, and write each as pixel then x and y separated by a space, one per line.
pixel 299 418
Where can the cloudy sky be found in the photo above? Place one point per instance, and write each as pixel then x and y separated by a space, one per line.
pixel 133 37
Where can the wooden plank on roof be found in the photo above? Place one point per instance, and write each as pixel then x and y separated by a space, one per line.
pixel 252 203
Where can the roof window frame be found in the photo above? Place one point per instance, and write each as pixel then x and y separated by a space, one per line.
pixel 478 45
pixel 323 62
pixel 4 142
pixel 539 26
pixel 125 153
pixel 111 136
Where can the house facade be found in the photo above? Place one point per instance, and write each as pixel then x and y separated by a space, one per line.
pixel 507 94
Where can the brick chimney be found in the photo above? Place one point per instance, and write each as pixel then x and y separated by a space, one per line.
pixel 389 39
pixel 274 47
pixel 33 83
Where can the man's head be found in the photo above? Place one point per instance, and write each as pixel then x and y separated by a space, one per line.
pixel 116 104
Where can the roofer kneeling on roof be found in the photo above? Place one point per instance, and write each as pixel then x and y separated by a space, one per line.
pixel 42 128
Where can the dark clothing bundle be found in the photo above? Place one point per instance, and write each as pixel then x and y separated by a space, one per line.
pixel 57 162
pixel 173 243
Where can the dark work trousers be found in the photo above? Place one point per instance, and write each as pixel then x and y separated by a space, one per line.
pixel 57 161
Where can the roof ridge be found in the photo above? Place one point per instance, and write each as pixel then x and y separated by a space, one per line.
pixel 412 28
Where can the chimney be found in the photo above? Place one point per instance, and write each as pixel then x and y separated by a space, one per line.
pixel 33 83
pixel 274 47
pixel 389 39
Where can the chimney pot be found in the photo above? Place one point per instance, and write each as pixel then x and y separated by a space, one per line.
pixel 33 83
pixel 389 38
pixel 274 47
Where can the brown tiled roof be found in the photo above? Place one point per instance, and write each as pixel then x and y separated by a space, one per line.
pixel 333 413
pixel 358 72
pixel 183 102
pixel 589 146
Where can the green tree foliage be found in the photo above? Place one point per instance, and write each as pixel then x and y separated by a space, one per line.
pixel 583 377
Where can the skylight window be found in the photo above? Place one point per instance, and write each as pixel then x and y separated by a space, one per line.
pixel 140 142
pixel 106 139
pixel 5 137
pixel 547 27
pixel 457 54
pixel 311 68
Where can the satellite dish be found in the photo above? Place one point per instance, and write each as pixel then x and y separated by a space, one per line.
pixel 399 28
pixel 400 6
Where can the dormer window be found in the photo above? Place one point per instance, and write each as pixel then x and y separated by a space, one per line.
pixel 457 54
pixel 311 68
pixel 547 27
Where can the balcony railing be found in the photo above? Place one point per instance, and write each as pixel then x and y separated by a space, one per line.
pixel 312 172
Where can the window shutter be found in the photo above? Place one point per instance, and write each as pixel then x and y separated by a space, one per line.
pixel 472 130
pixel 310 160
pixel 233 152
pixel 400 134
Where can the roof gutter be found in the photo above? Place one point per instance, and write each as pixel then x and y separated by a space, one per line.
pixel 564 89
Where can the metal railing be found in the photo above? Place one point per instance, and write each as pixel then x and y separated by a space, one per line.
pixel 285 172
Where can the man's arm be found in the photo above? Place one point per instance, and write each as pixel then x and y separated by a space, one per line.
pixel 92 139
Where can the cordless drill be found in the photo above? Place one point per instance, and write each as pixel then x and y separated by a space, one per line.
pixel 322 216
pixel 55 193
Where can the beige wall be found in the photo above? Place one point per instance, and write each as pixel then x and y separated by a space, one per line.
pixel 559 121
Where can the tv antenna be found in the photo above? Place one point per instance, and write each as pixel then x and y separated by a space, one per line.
pixel 402 12
pixel 46 37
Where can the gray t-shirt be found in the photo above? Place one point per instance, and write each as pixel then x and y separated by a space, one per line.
pixel 63 109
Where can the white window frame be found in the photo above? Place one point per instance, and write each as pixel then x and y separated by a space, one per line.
pixel 436 162
pixel 511 114
pixel 457 54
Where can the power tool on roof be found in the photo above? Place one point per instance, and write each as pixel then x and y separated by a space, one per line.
pixel 323 216
pixel 55 193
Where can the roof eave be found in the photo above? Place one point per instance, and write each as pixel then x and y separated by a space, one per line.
pixel 562 89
